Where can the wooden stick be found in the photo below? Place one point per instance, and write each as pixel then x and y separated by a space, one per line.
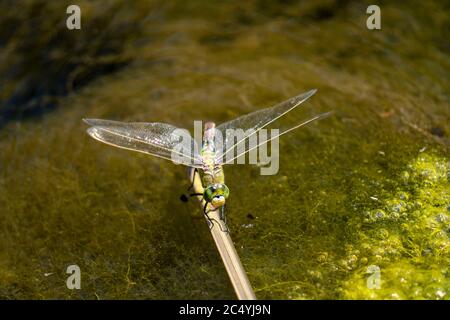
pixel 226 248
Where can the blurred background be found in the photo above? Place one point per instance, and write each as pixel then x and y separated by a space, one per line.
pixel 368 186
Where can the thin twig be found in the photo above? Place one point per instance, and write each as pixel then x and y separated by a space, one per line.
pixel 226 248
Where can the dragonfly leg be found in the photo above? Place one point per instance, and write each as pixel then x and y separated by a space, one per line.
pixel 205 212
pixel 196 194
pixel 210 221
pixel 185 199
pixel 192 173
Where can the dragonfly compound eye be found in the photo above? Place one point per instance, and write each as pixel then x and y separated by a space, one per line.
pixel 225 191
pixel 209 193
pixel 216 191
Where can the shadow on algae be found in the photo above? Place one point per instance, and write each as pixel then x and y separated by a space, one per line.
pixel 360 208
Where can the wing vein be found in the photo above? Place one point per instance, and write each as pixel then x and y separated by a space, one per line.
pixel 303 98
pixel 320 116
pixel 192 159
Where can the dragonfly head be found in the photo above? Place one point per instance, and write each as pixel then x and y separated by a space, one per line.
pixel 216 194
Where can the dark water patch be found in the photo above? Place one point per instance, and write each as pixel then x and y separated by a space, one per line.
pixel 35 97
pixel 315 11
pixel 43 60
pixel 438 132
pixel 326 11
pixel 217 38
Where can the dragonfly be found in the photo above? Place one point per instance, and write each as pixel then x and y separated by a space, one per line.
pixel 166 141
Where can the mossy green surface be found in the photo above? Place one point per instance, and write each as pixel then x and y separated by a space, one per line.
pixel 368 186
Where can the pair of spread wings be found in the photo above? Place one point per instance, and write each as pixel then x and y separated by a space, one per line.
pixel 163 140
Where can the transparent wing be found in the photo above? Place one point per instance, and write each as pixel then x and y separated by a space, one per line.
pixel 250 147
pixel 250 124
pixel 157 139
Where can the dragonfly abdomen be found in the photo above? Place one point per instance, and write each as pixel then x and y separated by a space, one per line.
pixel 212 173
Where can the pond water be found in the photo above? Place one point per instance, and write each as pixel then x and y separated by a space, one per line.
pixel 366 189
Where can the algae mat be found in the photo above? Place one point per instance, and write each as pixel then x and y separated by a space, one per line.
pixel 366 189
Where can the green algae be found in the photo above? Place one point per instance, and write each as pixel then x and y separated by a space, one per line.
pixel 415 224
pixel 368 186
